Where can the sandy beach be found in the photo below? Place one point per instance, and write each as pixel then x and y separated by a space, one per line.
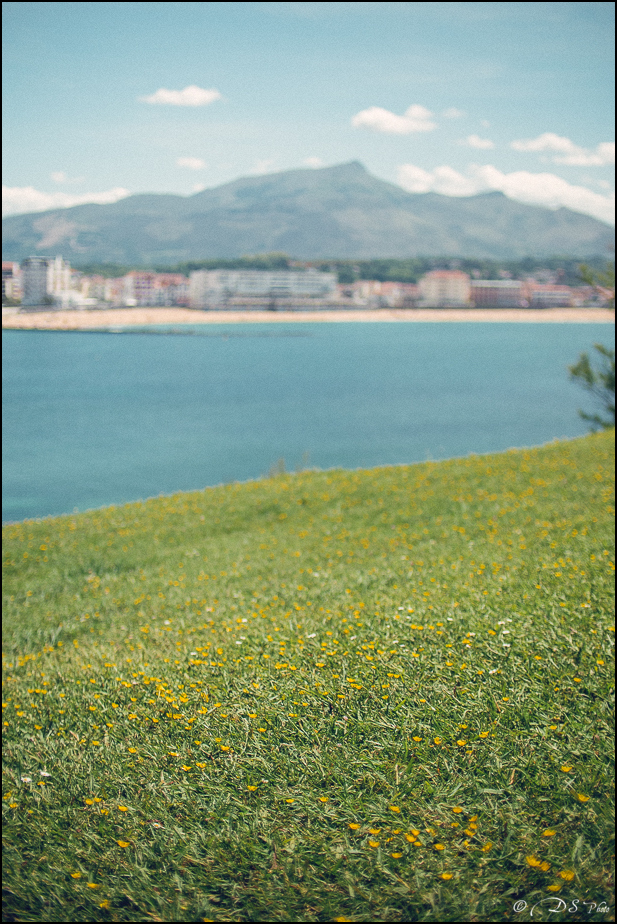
pixel 130 317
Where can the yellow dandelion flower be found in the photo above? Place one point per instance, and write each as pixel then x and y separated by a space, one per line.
pixel 437 740
pixel 396 855
pixel 224 747
pixel 582 797
pixel 122 808
pixel 92 885
pixel 461 743
pixel 567 874
pixel 123 844
pixel 483 735
pixel 89 801
pixel 374 830
pixel 132 750
pixel 439 847
pixel 457 810
pixel 323 798
pixel 76 875
pixel 549 833
pixel 416 738
pixel 289 800
pixel 544 866
pixel 555 887
pixel 395 808
pixel 532 861
pixel 487 846
pixel 373 843
pixel 446 876
pixel 565 768
pixel 354 826
pixel 104 904
pixel 251 788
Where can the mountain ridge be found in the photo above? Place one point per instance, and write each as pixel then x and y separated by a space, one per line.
pixel 332 212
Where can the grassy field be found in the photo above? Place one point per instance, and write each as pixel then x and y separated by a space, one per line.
pixel 349 696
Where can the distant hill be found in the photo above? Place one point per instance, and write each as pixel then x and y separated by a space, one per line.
pixel 338 212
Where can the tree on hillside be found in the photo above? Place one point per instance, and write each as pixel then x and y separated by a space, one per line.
pixel 603 281
pixel 600 383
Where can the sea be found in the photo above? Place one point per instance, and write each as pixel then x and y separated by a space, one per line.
pixel 93 418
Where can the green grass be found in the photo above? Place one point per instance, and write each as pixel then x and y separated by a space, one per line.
pixel 372 695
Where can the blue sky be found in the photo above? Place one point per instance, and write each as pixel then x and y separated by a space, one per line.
pixel 455 98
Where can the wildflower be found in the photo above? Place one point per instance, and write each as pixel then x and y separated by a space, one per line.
pixel 26 779
pixel 548 833
pixel 555 887
pixel 323 798
pixel 251 788
pixel 132 750
pixel 461 743
pixel 76 875
pixel 396 855
pixel 457 810
pixel 289 800
pixel 544 866
pixel 374 830
pixel 567 874
pixel 446 876
pixel 582 797
pixel 439 847
pixel 395 808
pixel 123 843
pixel 483 735
pixel 186 768
pixel 354 826
pixel 93 885
pixel 373 843
pixel 42 772
pixel 487 847
pixel 566 769
pixel 437 740
pixel 415 738
pixel 532 861
pixel 122 808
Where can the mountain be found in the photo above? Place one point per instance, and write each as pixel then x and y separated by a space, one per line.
pixel 339 212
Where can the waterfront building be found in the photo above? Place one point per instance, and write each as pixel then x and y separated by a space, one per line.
pixel 549 296
pixel 34 281
pixel 498 293
pixel 444 289
pixel 216 287
pixel 11 281
pixel 58 281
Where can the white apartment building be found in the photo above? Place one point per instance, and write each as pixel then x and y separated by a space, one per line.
pixel 444 289
pixel 214 287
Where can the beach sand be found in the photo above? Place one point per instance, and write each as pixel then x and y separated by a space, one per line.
pixel 132 317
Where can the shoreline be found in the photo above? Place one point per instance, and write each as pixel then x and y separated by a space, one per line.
pixel 13 319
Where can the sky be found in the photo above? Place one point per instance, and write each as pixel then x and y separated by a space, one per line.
pixel 103 100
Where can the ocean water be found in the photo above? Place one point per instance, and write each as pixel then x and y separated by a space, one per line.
pixel 92 418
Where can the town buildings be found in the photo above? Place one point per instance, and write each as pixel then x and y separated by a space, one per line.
pixel 445 289
pixel 216 287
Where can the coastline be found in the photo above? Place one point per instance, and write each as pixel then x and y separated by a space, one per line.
pixel 88 319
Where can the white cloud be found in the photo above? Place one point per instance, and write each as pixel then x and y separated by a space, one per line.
pixel 474 141
pixel 17 200
pixel 263 166
pixel 543 189
pixel 313 162
pixel 193 163
pixel 60 177
pixel 453 113
pixel 198 187
pixel 416 119
pixel 567 152
pixel 190 96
